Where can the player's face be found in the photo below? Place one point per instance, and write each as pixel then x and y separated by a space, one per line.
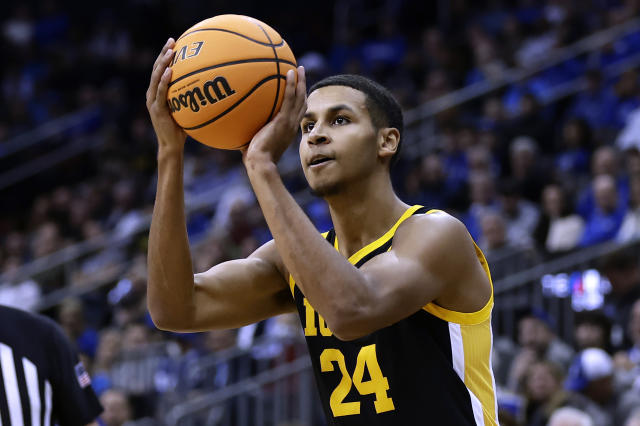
pixel 338 144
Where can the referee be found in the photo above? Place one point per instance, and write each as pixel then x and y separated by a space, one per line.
pixel 42 381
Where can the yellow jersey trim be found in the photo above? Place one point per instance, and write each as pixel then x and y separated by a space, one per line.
pixel 466 318
pixel 357 256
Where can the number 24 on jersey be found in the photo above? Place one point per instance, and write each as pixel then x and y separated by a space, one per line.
pixel 377 384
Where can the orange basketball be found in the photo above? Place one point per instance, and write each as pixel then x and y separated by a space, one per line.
pixel 228 79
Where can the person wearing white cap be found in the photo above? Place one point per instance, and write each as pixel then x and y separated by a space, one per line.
pixel 592 375
pixel 569 416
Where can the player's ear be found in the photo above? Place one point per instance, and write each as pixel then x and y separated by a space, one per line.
pixel 388 140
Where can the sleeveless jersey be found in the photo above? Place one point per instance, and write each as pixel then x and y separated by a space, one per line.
pixel 431 368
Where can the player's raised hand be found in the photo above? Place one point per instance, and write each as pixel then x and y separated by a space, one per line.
pixel 273 139
pixel 167 130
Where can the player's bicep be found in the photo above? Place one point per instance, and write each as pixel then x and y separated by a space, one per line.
pixel 240 292
pixel 402 285
pixel 431 256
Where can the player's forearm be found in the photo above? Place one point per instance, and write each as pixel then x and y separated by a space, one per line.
pixel 170 286
pixel 332 285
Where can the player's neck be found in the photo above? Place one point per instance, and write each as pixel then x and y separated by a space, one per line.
pixel 362 215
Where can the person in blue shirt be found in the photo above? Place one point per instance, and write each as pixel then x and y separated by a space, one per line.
pixel 606 217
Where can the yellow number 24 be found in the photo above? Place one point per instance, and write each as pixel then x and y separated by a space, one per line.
pixel 378 384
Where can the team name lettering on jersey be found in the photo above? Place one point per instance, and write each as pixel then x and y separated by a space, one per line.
pixel 310 328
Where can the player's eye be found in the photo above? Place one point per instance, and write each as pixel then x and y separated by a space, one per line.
pixel 307 127
pixel 341 120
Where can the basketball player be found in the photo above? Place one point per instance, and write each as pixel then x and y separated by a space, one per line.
pixel 395 301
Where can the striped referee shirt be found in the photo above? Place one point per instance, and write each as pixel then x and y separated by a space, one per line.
pixel 42 381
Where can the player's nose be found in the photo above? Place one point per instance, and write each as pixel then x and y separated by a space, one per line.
pixel 318 135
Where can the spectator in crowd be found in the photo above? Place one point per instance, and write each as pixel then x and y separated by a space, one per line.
pixel 634 418
pixel 605 219
pixel 569 416
pixel 572 158
pixel 559 229
pixel 628 360
pixel 72 320
pixel 592 375
pixel 592 329
pixel 622 268
pixel 109 347
pixel 431 187
pixel 527 168
pixel 630 228
pixel 545 394
pixel 521 216
pixel 117 408
pixel 593 103
pixel 604 161
pixel 503 256
pixel 483 201
pixel 537 341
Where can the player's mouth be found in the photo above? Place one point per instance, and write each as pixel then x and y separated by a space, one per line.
pixel 319 161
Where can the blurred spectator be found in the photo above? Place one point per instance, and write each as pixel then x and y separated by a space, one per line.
pixel 606 218
pixel 634 418
pixel 22 294
pixel 593 103
pixel 134 369
pixel 109 346
pixel 592 375
pixel 521 216
pixel 71 318
pixel 592 329
pixel 527 170
pixel 622 268
pixel 483 201
pixel 558 229
pixel 628 360
pixel 504 257
pixel 604 161
pixel 630 228
pixel 117 408
pixel 537 342
pixel 572 157
pixel 545 394
pixel 568 416
pixel 626 94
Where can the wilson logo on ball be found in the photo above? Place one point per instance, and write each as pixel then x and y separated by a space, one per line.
pixel 212 91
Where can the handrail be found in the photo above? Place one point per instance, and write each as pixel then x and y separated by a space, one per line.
pixel 585 255
pixel 35 166
pixel 204 401
pixel 46 130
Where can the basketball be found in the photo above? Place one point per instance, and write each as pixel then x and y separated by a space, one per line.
pixel 228 79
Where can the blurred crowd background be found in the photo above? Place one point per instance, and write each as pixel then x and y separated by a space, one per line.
pixel 542 165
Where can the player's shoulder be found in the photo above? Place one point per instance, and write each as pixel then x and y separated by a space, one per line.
pixel 434 226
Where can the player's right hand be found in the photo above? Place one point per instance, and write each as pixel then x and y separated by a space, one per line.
pixel 169 134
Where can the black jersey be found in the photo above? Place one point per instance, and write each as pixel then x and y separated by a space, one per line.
pixel 431 368
pixel 42 381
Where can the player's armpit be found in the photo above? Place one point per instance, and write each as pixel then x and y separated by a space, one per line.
pixel 239 292
pixel 433 259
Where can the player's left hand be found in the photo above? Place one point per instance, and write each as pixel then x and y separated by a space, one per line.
pixel 273 139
